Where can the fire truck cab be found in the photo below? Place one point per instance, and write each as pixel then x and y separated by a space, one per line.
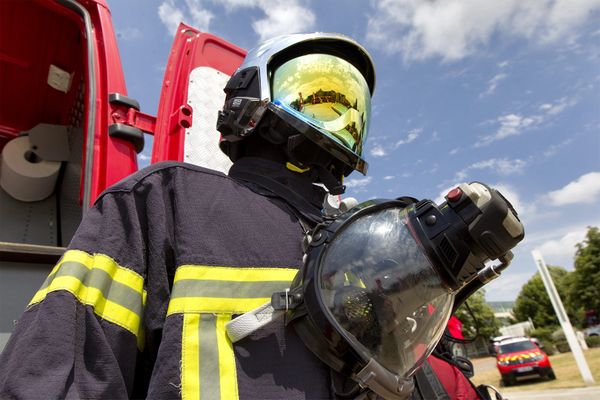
pixel 68 129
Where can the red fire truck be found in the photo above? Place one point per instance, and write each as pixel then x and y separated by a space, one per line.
pixel 68 129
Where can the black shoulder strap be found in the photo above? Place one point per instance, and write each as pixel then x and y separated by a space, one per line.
pixel 428 385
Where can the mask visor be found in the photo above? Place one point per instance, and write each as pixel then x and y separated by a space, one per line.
pixel 381 289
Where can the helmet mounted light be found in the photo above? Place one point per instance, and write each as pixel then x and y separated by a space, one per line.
pixel 379 282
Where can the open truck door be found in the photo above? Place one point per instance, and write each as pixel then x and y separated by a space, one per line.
pixel 64 106
pixel 199 66
pixel 62 92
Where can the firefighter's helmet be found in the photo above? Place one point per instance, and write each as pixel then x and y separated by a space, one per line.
pixel 309 93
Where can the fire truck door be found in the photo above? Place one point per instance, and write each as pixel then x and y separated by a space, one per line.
pixel 199 66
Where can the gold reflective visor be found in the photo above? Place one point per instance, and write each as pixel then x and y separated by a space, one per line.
pixel 328 93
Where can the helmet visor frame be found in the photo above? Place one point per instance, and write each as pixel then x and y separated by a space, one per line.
pixel 328 93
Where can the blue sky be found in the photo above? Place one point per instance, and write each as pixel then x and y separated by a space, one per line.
pixel 504 92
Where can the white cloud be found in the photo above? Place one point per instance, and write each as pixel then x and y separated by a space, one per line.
pixel 170 15
pixel 389 177
pixel 558 107
pixel 282 18
pixel 453 29
pixel 553 149
pixel 585 189
pixel 454 151
pixel 358 182
pixel 435 137
pixel 201 16
pixel 561 251
pixel 279 18
pixel 516 124
pixel 411 137
pixel 378 151
pixel 143 160
pixel 502 166
pixel 493 84
pixel 510 125
pixel 194 13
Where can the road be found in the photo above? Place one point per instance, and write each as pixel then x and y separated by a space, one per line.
pixel 585 393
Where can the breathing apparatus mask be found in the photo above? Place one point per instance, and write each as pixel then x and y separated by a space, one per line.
pixel 379 282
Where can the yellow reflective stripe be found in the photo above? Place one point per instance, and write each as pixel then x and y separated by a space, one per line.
pixel 194 294
pixel 227 371
pixel 190 358
pixel 214 305
pixel 236 274
pixel 116 293
pixel 119 274
pixel 191 280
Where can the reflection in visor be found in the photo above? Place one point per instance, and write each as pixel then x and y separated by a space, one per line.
pixel 327 92
pixel 383 291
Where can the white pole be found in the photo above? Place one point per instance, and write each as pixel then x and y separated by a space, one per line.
pixel 584 370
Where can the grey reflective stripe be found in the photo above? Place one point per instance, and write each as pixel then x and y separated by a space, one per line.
pixel 99 279
pixel 228 289
pixel 67 268
pixel 209 358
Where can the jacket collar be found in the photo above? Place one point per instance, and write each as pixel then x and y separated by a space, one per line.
pixel 273 179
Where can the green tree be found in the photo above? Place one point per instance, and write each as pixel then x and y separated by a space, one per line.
pixel 584 291
pixel 533 301
pixel 481 321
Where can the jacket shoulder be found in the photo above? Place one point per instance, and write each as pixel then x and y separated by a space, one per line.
pixel 160 170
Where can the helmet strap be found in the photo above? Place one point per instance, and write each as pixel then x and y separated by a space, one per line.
pixel 331 182
pixel 319 162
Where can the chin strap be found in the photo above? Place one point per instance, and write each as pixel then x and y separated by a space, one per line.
pixel 316 160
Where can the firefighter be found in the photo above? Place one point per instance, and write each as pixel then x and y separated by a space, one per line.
pixel 170 260
pixel 137 305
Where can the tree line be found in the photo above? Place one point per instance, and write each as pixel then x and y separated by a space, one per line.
pixel 579 289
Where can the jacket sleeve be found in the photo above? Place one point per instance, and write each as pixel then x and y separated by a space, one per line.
pixel 82 332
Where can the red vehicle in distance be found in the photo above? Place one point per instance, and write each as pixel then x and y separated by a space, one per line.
pixel 518 357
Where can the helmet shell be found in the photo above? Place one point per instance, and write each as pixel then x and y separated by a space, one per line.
pixel 253 80
pixel 274 52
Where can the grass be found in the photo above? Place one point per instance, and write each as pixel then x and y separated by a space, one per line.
pixel 565 368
